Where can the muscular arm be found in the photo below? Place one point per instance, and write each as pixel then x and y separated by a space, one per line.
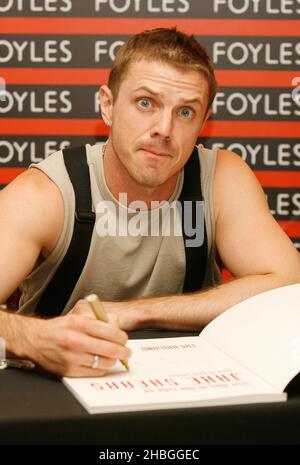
pixel 251 245
pixel 28 227
pixel 31 220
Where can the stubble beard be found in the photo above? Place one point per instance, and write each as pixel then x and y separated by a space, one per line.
pixel 146 180
pixel 143 179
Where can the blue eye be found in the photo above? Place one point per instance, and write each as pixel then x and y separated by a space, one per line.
pixel 186 112
pixel 144 103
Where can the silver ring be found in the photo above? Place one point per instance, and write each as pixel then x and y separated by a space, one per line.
pixel 96 361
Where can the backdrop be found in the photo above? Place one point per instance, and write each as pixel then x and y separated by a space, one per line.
pixel 54 54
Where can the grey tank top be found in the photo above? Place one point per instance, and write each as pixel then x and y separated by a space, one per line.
pixel 121 267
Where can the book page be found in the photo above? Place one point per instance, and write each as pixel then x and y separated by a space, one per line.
pixel 171 373
pixel 263 334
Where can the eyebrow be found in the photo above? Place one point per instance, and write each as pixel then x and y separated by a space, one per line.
pixel 158 94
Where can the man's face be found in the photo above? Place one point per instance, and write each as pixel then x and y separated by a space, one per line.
pixel 156 120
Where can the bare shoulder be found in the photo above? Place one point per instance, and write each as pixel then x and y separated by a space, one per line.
pixel 235 184
pixel 229 164
pixel 246 232
pixel 34 203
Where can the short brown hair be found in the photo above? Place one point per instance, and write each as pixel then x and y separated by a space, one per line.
pixel 167 45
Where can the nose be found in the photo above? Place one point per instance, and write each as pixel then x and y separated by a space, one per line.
pixel 163 125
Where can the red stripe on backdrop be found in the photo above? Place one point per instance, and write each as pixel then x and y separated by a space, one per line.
pixel 105 26
pixel 92 127
pixel 84 127
pixel 273 129
pixel 245 78
pixel 226 275
pixel 56 76
pixel 292 228
pixel 278 178
pixel 8 174
pixel 95 76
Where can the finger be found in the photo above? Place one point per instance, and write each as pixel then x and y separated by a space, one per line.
pixel 82 342
pixel 88 361
pixel 81 371
pixel 113 318
pixel 77 364
pixel 84 365
pixel 98 329
pixel 82 307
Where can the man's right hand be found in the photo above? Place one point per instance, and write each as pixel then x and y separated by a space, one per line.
pixel 66 345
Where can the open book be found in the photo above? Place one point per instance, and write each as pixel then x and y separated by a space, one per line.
pixel 248 354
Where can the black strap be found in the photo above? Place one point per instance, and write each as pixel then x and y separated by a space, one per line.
pixel 63 282
pixel 191 199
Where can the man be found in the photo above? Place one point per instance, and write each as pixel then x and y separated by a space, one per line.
pixel 156 103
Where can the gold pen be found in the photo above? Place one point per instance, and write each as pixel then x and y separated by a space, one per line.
pixel 100 314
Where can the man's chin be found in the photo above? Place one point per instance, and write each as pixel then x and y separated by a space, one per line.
pixel 148 176
pixel 149 182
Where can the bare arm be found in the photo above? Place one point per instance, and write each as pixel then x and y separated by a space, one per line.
pixel 31 220
pixel 251 245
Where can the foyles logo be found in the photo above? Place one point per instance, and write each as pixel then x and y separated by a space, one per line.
pixel 296 91
pixel 2 89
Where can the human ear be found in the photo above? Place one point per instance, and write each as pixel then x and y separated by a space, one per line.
pixel 106 104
